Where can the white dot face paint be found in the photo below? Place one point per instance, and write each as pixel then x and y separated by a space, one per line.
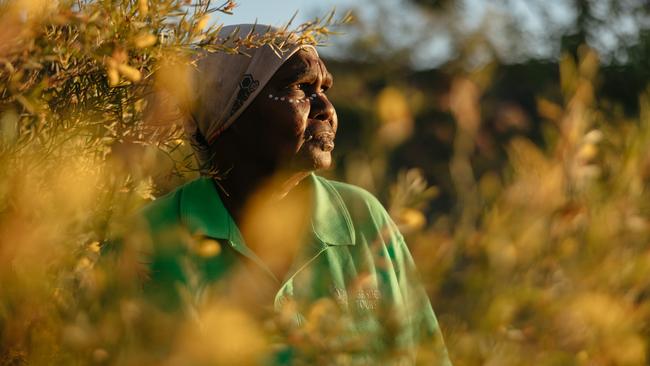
pixel 296 100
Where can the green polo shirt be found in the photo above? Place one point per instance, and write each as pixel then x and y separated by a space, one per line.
pixel 351 237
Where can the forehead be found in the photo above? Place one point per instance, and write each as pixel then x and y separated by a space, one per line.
pixel 304 60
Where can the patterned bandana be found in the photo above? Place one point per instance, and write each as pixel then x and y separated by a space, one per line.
pixel 224 85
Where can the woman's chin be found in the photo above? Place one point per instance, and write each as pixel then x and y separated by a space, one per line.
pixel 311 159
pixel 322 162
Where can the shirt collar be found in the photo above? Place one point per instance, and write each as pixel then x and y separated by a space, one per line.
pixel 331 221
pixel 203 212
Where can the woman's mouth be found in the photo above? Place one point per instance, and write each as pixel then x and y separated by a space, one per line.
pixel 321 135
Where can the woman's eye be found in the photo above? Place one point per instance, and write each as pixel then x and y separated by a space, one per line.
pixel 297 87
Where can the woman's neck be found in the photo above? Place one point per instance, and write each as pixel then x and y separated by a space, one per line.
pixel 241 183
pixel 272 214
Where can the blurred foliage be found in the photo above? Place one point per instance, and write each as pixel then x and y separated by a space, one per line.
pixel 534 245
pixel 539 254
pixel 532 242
pixel 80 150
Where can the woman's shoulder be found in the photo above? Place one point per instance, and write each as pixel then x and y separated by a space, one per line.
pixel 352 194
pixel 164 210
pixel 363 206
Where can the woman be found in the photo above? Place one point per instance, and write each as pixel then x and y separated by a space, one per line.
pixel 262 231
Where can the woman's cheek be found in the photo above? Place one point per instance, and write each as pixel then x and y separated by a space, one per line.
pixel 298 117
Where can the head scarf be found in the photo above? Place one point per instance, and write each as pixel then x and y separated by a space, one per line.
pixel 224 85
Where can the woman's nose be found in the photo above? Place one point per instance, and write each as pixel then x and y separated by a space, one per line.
pixel 322 109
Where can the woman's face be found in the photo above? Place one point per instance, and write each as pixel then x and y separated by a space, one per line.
pixel 291 124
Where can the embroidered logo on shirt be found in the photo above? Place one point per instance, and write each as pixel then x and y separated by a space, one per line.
pixel 367 299
pixel 364 299
pixel 341 296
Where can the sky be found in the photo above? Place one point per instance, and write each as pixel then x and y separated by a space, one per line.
pixel 277 13
pixel 428 55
